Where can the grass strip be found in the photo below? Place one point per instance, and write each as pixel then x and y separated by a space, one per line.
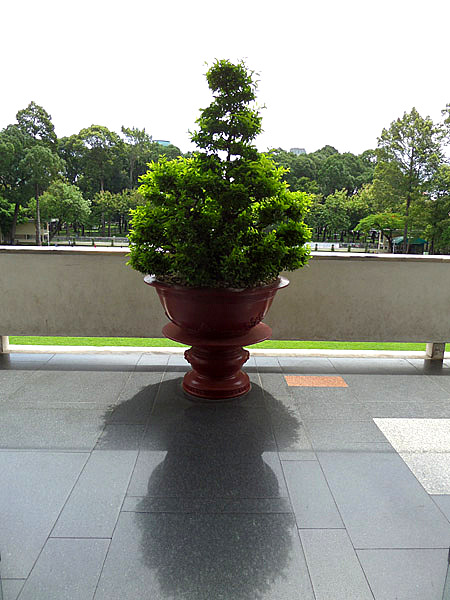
pixel 158 342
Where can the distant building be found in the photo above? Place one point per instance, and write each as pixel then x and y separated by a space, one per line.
pixel 26 233
pixel 162 142
pixel 297 151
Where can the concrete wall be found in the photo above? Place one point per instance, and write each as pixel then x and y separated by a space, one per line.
pixel 91 292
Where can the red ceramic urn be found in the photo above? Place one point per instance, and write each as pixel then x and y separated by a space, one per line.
pixel 217 323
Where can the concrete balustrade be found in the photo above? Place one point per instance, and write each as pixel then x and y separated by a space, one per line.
pixel 338 297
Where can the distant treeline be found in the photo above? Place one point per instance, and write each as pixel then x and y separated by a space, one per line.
pixel 89 180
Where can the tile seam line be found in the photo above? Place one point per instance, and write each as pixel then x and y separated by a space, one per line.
pixel 129 481
pixel 77 537
pixel 69 494
pixel 49 535
pixel 400 548
pixel 345 526
pixel 296 527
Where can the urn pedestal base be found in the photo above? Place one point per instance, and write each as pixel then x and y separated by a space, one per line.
pixel 216 363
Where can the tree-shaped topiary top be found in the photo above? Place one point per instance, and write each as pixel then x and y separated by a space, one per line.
pixel 224 217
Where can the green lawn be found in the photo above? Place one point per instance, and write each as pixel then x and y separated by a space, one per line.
pixel 154 342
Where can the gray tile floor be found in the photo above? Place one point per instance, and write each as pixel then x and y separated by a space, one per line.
pixel 114 486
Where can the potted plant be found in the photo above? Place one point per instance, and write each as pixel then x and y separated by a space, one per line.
pixel 216 231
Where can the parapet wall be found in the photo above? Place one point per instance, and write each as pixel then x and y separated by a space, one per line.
pixel 342 297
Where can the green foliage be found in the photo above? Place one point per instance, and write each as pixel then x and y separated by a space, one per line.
pixel 65 202
pixel 35 122
pixel 6 215
pixel 223 217
pixel 387 223
pixel 100 155
pixel 409 154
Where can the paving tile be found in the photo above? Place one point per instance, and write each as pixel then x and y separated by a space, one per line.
pixel 225 432
pixel 290 434
pixel 93 362
pixel 299 455
pixel 395 388
pixel 34 487
pixel 23 361
pixel 180 475
pixel 325 410
pixel 417 435
pixel 13 380
pixel 234 556
pixel 66 569
pixel 381 502
pixel 409 574
pixel 292 365
pixel 136 399
pixel 371 366
pixel 11 588
pixel 120 436
pixel 431 469
pixel 274 384
pixel 54 429
pixel 443 501
pixel 67 386
pixel 313 504
pixel 335 396
pixel 178 360
pixel 442 380
pixel 340 435
pixel 94 504
pixel 334 567
pixel 20 357
pixel 431 367
pixel 315 381
pixel 268 364
pixel 206 505
pixel 149 362
pixel 419 409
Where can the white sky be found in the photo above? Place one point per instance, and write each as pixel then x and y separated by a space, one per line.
pixel 331 71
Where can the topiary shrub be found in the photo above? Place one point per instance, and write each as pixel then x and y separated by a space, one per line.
pixel 223 217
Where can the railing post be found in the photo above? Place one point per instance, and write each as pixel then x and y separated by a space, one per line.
pixel 4 344
pixel 435 350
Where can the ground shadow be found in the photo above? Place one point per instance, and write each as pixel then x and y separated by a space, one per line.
pixel 215 521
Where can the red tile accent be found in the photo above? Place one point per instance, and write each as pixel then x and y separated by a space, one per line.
pixel 314 381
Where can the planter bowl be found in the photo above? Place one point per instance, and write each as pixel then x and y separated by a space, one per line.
pixel 216 312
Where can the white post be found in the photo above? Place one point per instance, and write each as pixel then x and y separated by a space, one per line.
pixel 435 350
pixel 4 344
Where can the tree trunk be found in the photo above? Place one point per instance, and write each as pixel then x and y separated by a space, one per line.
pixel 109 226
pixel 12 231
pixel 405 231
pixel 55 230
pixel 103 224
pixel 37 221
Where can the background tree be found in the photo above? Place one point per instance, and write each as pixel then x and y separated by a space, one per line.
pixel 335 213
pixel 41 166
pixel 386 223
pixel 72 150
pixel 64 202
pixel 101 148
pixel 343 171
pixel 13 184
pixel 127 201
pixel 411 147
pixel 437 209
pixel 35 122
